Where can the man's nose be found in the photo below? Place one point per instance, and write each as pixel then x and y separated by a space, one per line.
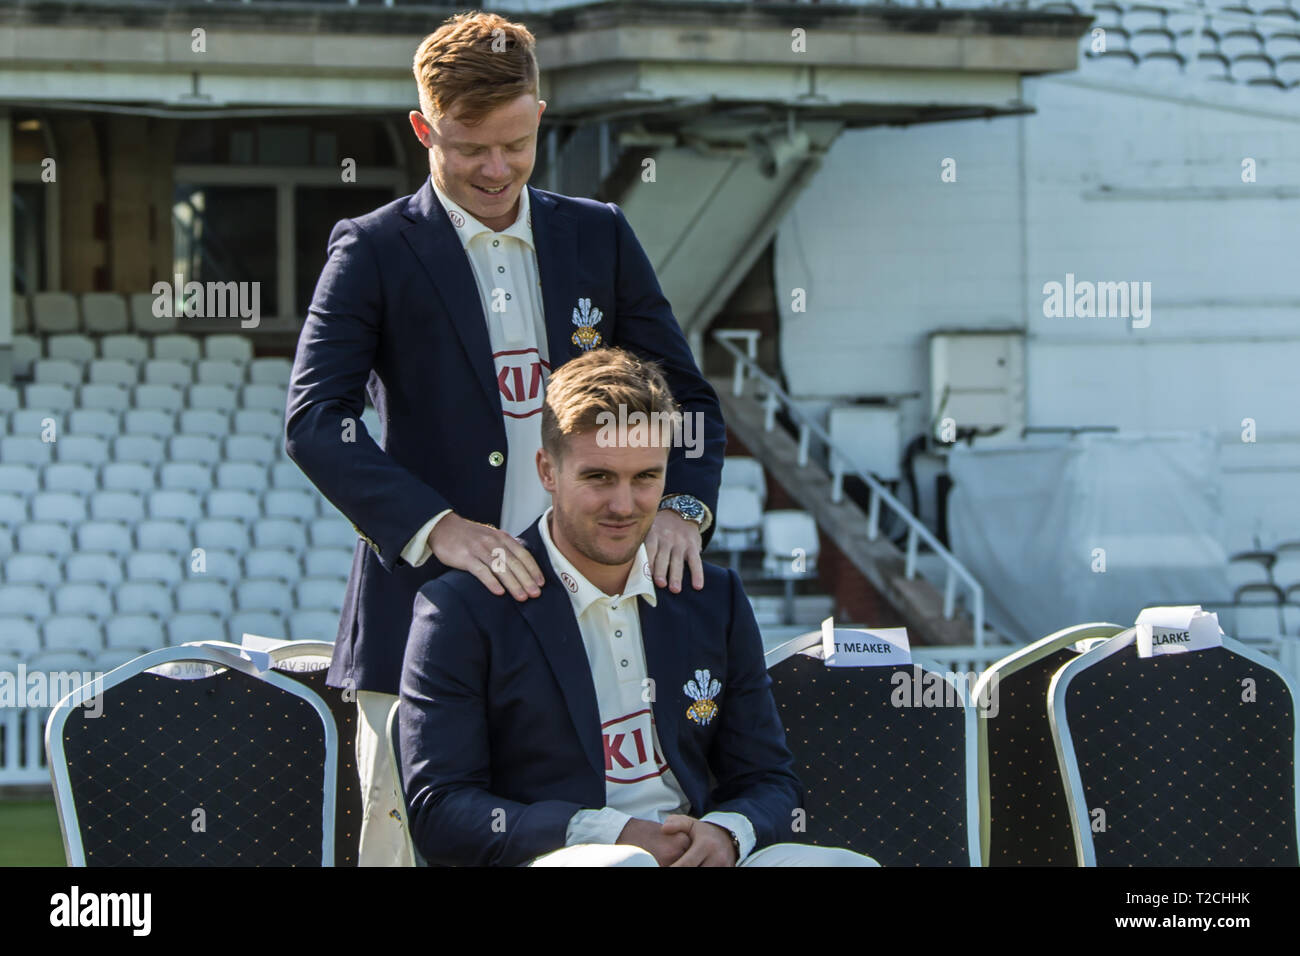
pixel 623 502
pixel 497 168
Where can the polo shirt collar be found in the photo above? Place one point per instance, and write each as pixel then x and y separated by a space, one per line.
pixel 467 227
pixel 586 593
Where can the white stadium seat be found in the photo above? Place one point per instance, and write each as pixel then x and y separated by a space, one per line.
pixel 739 471
pixel 123 506
pixel 218 565
pixel 94 421
pixel 191 626
pixel 89 599
pixel 258 421
pixel 167 372
pixel 114 398
pixel 59 661
pixel 197 595
pixel 19 635
pixel 320 594
pixel 26 352
pixel 25 600
pixel 169 398
pixel 240 505
pixel 44 537
pixel 270 371
pixel 287 474
pixel 113 371
pixel 202 449
pixel 127 476
pixel 74 477
pixel 313 626
pixel 104 313
pixel 219 398
pixel 203 421
pixel 163 534
pixel 13 509
pixel 264 596
pixel 131 347
pixel 221 534
pixel 9 398
pixel 143 597
pixel 110 659
pixel 241 476
pixel 25 450
pixel 33 422
pixel 141 631
pixel 138 448
pixel 279 564
pixel 62 507
pixel 54 312
pixel 87 449
pixel 154 422
pixel 141 307
pixel 248 448
pixel 289 503
pixel 175 505
pixel 327 563
pixel 19 479
pixel 90 568
pixel 739 518
pixel 108 537
pixel 263 396
pixel 161 566
pixel 786 534
pixel 232 347
pixel 185 476
pixel 57 371
pixel 33 569
pixel 219 372
pixel 72 632
pixel 283 533
pixel 73 347
pixel 60 397
pixel 183 348
pixel 332 533
pixel 261 623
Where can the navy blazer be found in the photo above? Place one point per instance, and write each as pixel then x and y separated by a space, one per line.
pixel 397 313
pixel 500 732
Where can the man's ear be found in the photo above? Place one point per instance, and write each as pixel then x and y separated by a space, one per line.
pixel 421 127
pixel 545 470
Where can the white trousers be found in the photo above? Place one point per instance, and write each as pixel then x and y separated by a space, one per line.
pixel 778 854
pixel 384 837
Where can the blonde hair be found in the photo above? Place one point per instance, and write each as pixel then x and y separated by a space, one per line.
pixel 595 384
pixel 475 62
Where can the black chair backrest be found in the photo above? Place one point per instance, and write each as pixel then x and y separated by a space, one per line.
pixel 227 769
pixel 888 781
pixel 1184 759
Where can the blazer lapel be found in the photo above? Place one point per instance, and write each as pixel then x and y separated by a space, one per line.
pixel 433 239
pixel 551 618
pixel 555 235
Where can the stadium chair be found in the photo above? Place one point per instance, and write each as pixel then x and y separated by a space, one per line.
pixel 141 307
pixel 163 398
pixel 108 398
pixel 241 476
pixel 308 661
pixel 113 371
pixel 87 449
pixel 272 564
pixel 182 506
pixel 94 421
pixel 327 562
pixel 221 533
pixel 32 422
pixel 210 596
pixel 1286 569
pixel 33 569
pixel 26 351
pixel 45 537
pixel 9 398
pixel 59 507
pixel 1024 820
pixel 219 372
pixel 160 566
pixel 313 625
pixel 104 313
pixel 920 807
pixel 19 636
pixel 147 423
pixel 108 537
pixel 394 738
pixel 126 347
pixel 71 478
pixel 263 595
pixel 60 398
pixel 180 347
pixel 289 503
pixel 111 658
pixel 19 479
pixel 134 631
pixel 53 371
pixel 189 626
pixel 127 476
pixel 218 398
pixel 271 397
pixel 262 622
pixel 124 506
pixel 239 505
pixel 218 565
pixel 81 568
pixel 254 448
pixel 332 533
pixel 739 471
pixel 163 534
pixel 199 449
pixel 6 543
pixel 790 536
pixel 92 600
pixel 258 421
pixel 185 476
pixel 13 509
pixel 739 521
pixel 234 348
pixel 1257 610
pixel 270 371
pixel 122 803
pixel 25 600
pixel 1188 771
pixel 54 312
pixel 72 347
pixel 167 372
pixel 143 597
pixel 69 632
pixel 64 662
pixel 279 533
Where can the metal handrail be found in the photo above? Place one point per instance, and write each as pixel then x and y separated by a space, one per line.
pixel 746 367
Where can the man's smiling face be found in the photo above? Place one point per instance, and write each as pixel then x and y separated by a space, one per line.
pixel 469 161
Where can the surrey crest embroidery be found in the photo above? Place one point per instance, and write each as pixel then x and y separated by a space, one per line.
pixel 585 318
pixel 702 690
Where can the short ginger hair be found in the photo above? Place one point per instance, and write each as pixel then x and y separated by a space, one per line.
pixel 476 63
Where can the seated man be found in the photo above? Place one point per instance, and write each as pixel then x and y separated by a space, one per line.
pixel 606 722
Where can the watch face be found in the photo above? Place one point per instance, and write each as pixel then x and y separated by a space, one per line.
pixel 686 507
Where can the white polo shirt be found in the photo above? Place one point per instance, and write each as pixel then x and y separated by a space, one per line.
pixel 505 269
pixel 638 781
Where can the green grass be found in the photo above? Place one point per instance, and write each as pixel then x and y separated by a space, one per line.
pixel 29 833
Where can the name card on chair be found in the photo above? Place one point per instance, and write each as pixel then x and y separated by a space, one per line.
pixel 1176 629
pixel 864 647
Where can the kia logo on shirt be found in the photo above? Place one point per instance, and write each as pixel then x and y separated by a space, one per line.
pixel 521 375
pixel 629 749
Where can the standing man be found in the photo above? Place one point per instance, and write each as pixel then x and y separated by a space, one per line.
pixel 450 307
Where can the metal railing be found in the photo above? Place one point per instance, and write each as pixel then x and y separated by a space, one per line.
pixel 22 745
pixel 841 463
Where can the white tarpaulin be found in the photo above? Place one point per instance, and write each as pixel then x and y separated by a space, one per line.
pixel 1090 528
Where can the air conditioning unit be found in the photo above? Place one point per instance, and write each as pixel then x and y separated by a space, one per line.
pixel 977 380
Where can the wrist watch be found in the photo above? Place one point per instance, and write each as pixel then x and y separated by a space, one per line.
pixel 688 506
pixel 735 841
